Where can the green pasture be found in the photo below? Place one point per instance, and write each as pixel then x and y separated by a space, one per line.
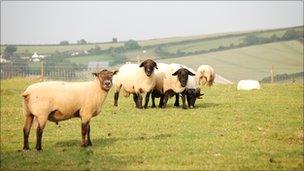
pixel 86 59
pixel 47 49
pixel 228 130
pixel 252 62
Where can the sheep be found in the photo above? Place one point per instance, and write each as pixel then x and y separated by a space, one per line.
pixel 135 79
pixel 57 101
pixel 192 91
pixel 170 79
pixel 205 75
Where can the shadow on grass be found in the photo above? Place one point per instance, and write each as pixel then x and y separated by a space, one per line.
pixel 103 142
pixel 207 105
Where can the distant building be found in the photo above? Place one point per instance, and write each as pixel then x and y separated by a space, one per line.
pixel 96 65
pixel 37 58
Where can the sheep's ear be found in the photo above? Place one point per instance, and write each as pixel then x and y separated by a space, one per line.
pixel 95 74
pixel 115 72
pixel 176 72
pixel 190 73
pixel 142 64
pixel 155 66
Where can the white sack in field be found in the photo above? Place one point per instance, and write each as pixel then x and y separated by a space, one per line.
pixel 248 85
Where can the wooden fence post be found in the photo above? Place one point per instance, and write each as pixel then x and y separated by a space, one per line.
pixel 42 71
pixel 271 74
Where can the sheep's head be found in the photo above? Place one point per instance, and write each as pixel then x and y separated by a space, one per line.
pixel 182 75
pixel 192 95
pixel 149 66
pixel 105 78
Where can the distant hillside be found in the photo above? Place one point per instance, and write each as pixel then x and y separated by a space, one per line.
pixel 172 44
pixel 252 62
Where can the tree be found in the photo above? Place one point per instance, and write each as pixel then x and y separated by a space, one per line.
pixel 81 42
pixel 114 40
pixel 131 44
pixel 290 34
pixel 9 51
pixel 251 39
pixel 64 42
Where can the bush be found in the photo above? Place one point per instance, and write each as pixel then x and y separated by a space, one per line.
pixel 131 44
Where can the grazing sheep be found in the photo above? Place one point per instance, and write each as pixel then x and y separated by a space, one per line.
pixel 205 75
pixel 135 79
pixel 170 79
pixel 191 93
pixel 57 101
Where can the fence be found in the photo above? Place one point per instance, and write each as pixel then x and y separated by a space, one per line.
pixel 49 71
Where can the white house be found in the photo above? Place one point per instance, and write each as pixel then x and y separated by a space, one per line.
pixel 37 58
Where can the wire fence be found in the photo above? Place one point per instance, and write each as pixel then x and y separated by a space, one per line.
pixel 47 71
pixel 74 72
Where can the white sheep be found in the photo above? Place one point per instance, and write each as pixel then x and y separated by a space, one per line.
pixel 57 101
pixel 170 79
pixel 135 79
pixel 205 75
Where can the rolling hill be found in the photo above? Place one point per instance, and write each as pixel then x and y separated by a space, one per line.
pixel 252 62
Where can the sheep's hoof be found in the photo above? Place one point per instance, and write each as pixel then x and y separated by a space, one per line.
pixel 185 107
pixel 153 106
pixel 146 107
pixel 176 105
pixel 26 149
pixel 39 149
pixel 90 144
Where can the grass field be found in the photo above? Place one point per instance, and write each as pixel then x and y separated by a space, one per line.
pixel 229 129
pixel 86 59
pixel 252 62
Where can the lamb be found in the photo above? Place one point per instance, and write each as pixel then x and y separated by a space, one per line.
pixel 170 79
pixel 205 75
pixel 134 79
pixel 57 101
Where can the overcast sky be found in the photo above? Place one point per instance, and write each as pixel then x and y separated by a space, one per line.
pixel 33 22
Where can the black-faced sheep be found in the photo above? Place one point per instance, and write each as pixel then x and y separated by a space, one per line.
pixel 135 79
pixel 170 79
pixel 191 93
pixel 57 101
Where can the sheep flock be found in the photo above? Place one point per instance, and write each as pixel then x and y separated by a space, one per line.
pixel 57 101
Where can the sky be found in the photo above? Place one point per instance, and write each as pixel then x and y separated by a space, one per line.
pixel 49 22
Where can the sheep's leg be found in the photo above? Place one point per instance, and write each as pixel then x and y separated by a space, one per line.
pixel 166 97
pixel 135 99
pixel 88 135
pixel 139 101
pixel 161 101
pixel 84 132
pixel 147 99
pixel 41 124
pixel 184 99
pixel 176 100
pixel 116 96
pixel 153 99
pixel 26 130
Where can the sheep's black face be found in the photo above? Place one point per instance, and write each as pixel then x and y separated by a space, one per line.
pixel 149 66
pixel 191 97
pixel 105 79
pixel 182 75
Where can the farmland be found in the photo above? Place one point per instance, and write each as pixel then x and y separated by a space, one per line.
pixel 229 129
pixel 253 62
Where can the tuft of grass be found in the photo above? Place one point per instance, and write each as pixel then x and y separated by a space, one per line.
pixel 229 129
